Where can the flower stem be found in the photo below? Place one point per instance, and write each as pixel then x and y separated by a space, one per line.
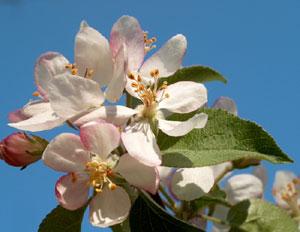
pixel 172 204
pixel 128 100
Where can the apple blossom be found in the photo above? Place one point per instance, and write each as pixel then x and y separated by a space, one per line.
pixel 89 160
pixel 286 192
pixel 20 150
pixel 70 91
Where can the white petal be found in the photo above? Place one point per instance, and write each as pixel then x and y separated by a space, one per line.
pixel 191 183
pixel 137 174
pixel 46 67
pixel 72 195
pixel 66 153
pixel 127 30
pixel 110 207
pixel 219 168
pixel 167 59
pixel 140 143
pixel 117 115
pixel 71 95
pixel 36 107
pixel 280 186
pixel 165 174
pixel 39 122
pixel 242 187
pixel 185 97
pixel 116 86
pixel 226 103
pixel 220 213
pixel 261 173
pixel 178 128
pixel 100 138
pixel 92 51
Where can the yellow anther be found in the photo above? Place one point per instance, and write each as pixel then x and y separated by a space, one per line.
pixel 131 76
pixel 74 177
pixel 290 187
pixel 139 79
pixel 296 181
pixel 153 40
pixel 147 48
pixel 74 65
pixel 136 90
pixel 134 85
pixel 99 191
pixel 68 66
pixel 156 71
pixel 152 73
pixel 90 72
pixel 274 192
pixel 87 165
pixel 167 95
pixel 74 71
pixel 120 128
pixel 153 47
pixel 112 186
pixel 285 196
pixel 36 94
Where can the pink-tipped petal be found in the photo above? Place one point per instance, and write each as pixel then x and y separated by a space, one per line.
pixel 184 97
pixel 44 121
pixel 100 138
pixel 16 116
pixel 127 30
pixel 137 174
pixel 165 174
pixel 110 207
pixel 46 67
pixel 117 115
pixel 242 187
pixel 92 51
pixel 71 95
pixel 72 195
pixel 115 88
pixel 178 128
pixel 191 183
pixel 140 143
pixel 167 59
pixel 226 103
pixel 66 153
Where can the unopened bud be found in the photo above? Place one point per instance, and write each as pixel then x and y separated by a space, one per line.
pixel 20 150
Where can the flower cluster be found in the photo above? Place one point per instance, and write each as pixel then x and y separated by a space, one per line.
pixel 116 153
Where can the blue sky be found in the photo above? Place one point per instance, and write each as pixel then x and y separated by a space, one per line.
pixel 255 44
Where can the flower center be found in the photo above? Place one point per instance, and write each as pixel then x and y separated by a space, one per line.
pixel 98 174
pixel 290 195
pixel 147 93
pixel 75 70
pixel 148 42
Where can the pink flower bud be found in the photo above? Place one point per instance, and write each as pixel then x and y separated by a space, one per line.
pixel 19 149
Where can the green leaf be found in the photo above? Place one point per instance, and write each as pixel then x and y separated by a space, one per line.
pixel 147 216
pixel 216 197
pixel 63 220
pixel 224 138
pixel 196 73
pixel 257 215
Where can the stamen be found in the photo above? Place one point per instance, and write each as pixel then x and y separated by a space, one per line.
pixel 139 79
pixel 36 94
pixel 74 177
pixel 110 173
pixel 68 66
pixel 131 76
pixel 74 65
pixel 99 191
pixel 167 95
pixel 296 181
pixel 90 72
pixel 134 85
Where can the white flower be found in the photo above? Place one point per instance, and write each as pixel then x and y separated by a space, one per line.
pixel 90 163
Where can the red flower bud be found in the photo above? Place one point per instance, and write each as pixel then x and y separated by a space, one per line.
pixel 19 149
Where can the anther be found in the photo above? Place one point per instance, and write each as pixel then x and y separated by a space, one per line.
pixel 112 186
pixel 110 173
pixel 131 76
pixel 290 187
pixel 156 71
pixel 68 66
pixel 296 181
pixel 134 85
pixel 90 72
pixel 74 65
pixel 152 73
pixel 99 191
pixel 139 79
pixel 74 71
pixel 36 94
pixel 167 95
